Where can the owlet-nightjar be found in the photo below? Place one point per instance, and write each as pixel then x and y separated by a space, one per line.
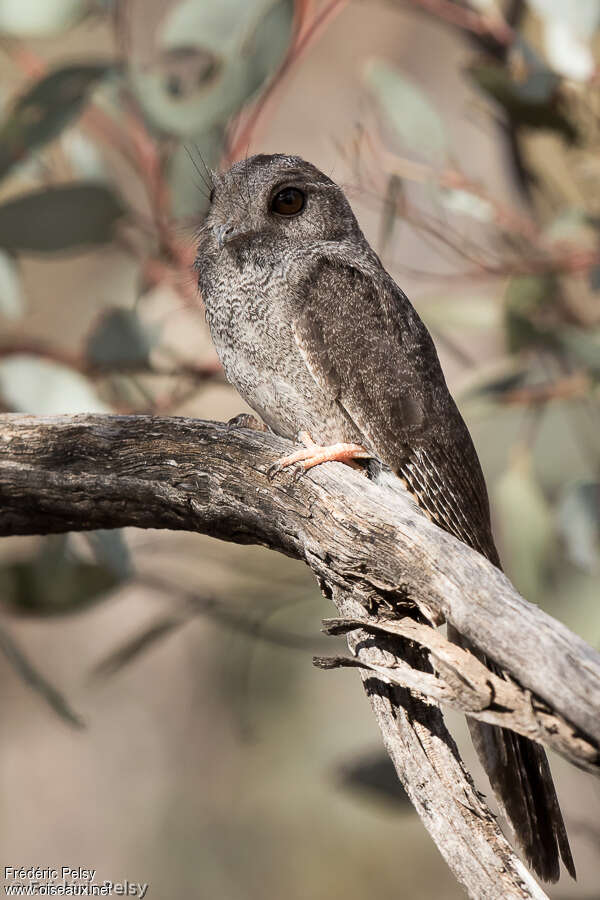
pixel 320 341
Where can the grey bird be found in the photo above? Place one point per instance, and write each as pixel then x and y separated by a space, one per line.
pixel 322 343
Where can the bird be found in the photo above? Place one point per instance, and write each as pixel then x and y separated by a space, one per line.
pixel 321 342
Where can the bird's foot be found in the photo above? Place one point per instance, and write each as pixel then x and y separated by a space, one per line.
pixel 314 454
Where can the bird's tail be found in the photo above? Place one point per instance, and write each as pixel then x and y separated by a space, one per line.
pixel 520 777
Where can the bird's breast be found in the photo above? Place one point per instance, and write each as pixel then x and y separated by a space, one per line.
pixel 250 319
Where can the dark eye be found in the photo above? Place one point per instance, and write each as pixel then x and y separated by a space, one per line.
pixel 288 202
pixel 212 196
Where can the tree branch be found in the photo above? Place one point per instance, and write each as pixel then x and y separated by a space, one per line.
pixel 391 573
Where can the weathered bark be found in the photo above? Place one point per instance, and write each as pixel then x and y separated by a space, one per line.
pixel 391 573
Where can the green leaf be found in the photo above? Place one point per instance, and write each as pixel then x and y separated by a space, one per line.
pixel 121 340
pixel 111 551
pixel 526 300
pixel 531 96
pixel 594 278
pixel 409 112
pixel 66 217
pixel 35 18
pixel 578 518
pixel 374 774
pixel 54 582
pixel 212 59
pixel 33 385
pixel 533 82
pixel 44 110
pixel 267 40
pixel 582 346
pixel 526 526
pixel 11 296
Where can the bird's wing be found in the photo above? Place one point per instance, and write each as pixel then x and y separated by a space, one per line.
pixel 372 354
pixel 349 333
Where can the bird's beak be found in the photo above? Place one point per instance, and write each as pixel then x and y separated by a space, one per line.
pixel 225 233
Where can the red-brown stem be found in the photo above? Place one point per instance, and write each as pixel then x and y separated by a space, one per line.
pixel 305 37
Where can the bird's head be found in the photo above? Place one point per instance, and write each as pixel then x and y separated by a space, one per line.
pixel 271 201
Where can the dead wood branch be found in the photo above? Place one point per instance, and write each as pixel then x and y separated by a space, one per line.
pixel 461 681
pixel 371 549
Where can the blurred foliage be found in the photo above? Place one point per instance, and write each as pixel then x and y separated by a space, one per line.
pixel 11 294
pixel 103 152
pixel 66 217
pixel 42 112
pixel 409 112
pixel 546 252
pixel 374 775
pixel 161 111
pixel 35 385
pixel 55 581
pixel 35 18
pixel 112 152
pixel 121 339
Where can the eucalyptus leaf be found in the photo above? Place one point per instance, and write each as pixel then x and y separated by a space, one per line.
pixel 578 518
pixel 42 112
pixel 526 299
pixel 409 112
pixel 30 384
pixel 594 278
pixel 530 99
pixel 211 60
pixel 111 551
pixel 11 295
pixel 582 346
pixel 374 774
pixel 526 526
pixel 533 81
pixel 37 18
pixel 122 340
pixel 54 582
pixel 65 217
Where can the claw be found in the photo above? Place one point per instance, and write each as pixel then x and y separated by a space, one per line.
pixel 313 455
pixel 273 470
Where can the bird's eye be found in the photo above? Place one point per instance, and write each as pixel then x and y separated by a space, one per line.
pixel 212 196
pixel 288 202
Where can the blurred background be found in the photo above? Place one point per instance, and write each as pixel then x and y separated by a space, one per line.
pixel 162 719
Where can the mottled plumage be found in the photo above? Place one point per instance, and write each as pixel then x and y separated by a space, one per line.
pixel 317 337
